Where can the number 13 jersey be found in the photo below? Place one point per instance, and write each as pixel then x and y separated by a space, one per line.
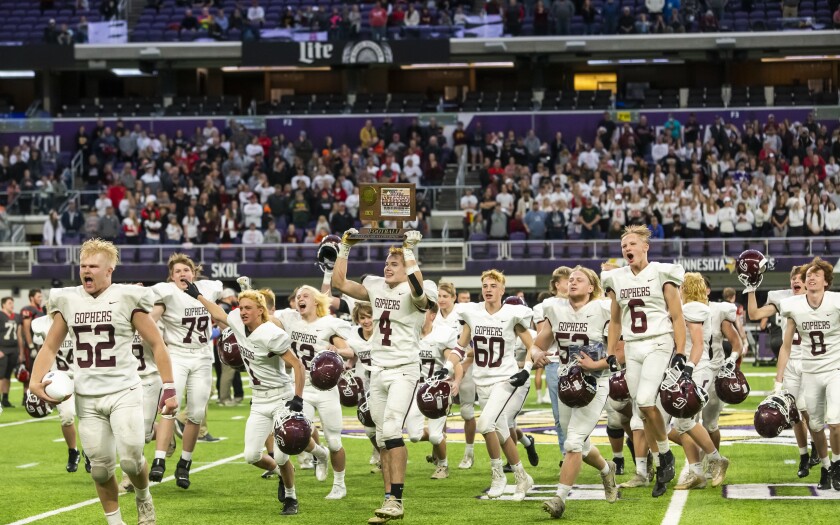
pixel 494 338
pixel 310 339
pixel 819 329
pixel 641 297
pixel 187 324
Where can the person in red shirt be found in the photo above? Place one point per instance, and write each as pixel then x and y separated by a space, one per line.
pixel 378 19
pixel 516 225
pixel 817 163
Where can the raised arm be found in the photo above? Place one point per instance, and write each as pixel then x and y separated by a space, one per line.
pixel 46 358
pixel 339 276
pixel 412 270
pixel 754 312
pixel 215 311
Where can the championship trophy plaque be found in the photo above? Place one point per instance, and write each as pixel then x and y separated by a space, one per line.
pixel 385 202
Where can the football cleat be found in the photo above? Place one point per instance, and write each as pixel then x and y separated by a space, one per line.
pixel 5 404
pixel 825 479
pixel 73 458
pixel 157 470
pixel 430 458
pixel 691 481
pixel 619 466
pixel 497 484
pixel 533 457
pixel 659 488
pixel 555 507
pixel 610 489
pixel 87 463
pixel 321 469
pixel 376 468
pixel 290 507
pixel 182 473
pixel 125 484
pixel 665 470
pixel 146 511
pixel 306 461
pixel 524 483
pixel 337 492
pixel 440 473
pixel 467 462
pixel 815 456
pixel 392 509
pixel 507 469
pixel 834 472
pixel 268 474
pixel 636 481
pixel 804 466
pixel 718 468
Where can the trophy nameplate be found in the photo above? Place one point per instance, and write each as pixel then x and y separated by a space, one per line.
pixel 385 202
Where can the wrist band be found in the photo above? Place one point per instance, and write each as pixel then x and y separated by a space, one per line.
pixel 344 251
pixel 327 278
pixel 408 253
pixel 528 366
pixel 412 269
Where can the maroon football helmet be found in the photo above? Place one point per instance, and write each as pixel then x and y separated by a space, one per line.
pixel 22 374
pixel 619 391
pixel 229 353
pixel 750 266
pixel 325 370
pixel 515 300
pixel 681 397
pixel 434 398
pixel 575 388
pixel 328 252
pixel 731 385
pixel 350 389
pixel 292 433
pixel 36 407
pixel 363 413
pixel 774 414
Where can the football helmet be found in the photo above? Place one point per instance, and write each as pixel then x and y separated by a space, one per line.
pixel 22 374
pixel 681 396
pixel 751 265
pixel 229 353
pixel 731 385
pixel 575 388
pixel 363 412
pixel 350 389
pixel 292 433
pixel 776 413
pixel 36 407
pixel 328 252
pixel 434 398
pixel 619 390
pixel 325 370
pixel 515 300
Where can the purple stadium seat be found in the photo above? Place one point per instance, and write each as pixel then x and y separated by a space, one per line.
pixel 252 254
pixel 776 247
pixel 230 254
pixel 128 254
pixel 517 246
pixel 149 255
pixel 45 254
pixel 798 247
pixel 694 248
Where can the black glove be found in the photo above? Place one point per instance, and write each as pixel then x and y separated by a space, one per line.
pixel 520 378
pixel 678 361
pixel 687 371
pixel 295 404
pixel 441 374
pixel 191 290
pixel 613 362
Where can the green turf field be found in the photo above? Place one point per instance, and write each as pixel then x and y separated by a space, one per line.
pixel 33 481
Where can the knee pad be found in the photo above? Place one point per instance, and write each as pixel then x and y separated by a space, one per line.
pixel 67 419
pixel 195 416
pixel 334 443
pixel 616 433
pixel 468 411
pixel 253 456
pixel 816 425
pixel 637 422
pixel 573 445
pixel 436 439
pixel 414 438
pixel 394 443
pixel 684 425
pixel 281 458
pixel 101 474
pixel 587 447
pixel 132 467
pixel 711 426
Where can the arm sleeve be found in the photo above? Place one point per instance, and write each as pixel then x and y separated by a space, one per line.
pixel 161 291
pixel 539 313
pixel 696 312
pixel 730 312
pixel 341 328
pixel 524 316
pixel 57 303
pixel 671 273
pixel 607 281
pixel 210 289
pixel 279 342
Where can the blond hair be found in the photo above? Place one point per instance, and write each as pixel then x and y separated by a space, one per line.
pixel 641 231
pixel 562 272
pixel 181 258
pixel 447 287
pixel 258 298
pixel 270 298
pixel 361 308
pixel 322 301
pixel 825 266
pixel 694 289
pixel 92 247
pixel 397 251
pixel 593 280
pixel 496 275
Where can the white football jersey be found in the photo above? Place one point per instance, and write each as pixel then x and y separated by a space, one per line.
pixel 261 352
pixel 819 329
pixel 186 322
pixel 433 346
pixel 642 298
pixel 396 323
pixel 719 312
pixel 64 358
pixel 695 312
pixel 775 298
pixel 142 350
pixel 360 347
pixel 102 332
pixel 581 327
pixel 310 339
pixel 494 339
pixel 453 321
pixel 540 316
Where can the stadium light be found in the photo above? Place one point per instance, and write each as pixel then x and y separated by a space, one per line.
pixel 17 74
pixel 128 72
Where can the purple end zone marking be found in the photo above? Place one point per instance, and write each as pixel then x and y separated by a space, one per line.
pixel 813 490
pixel 772 489
pixel 725 491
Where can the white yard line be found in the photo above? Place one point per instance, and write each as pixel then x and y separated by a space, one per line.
pixel 27 421
pixel 678 500
pixel 85 503
pixel 28 465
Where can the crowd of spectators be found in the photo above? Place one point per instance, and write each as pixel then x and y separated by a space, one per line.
pixel 64 34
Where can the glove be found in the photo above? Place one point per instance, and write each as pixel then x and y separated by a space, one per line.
pixel 347 243
pixel 191 290
pixel 688 370
pixel 295 404
pixel 167 393
pixel 728 366
pixel 777 387
pixel 613 362
pixel 750 288
pixel 520 378
pixel 678 361
pixel 441 374
pixel 244 283
pixel 412 239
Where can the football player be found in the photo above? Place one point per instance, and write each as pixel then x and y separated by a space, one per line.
pixel 559 288
pixel 493 328
pixel 28 348
pixel 647 312
pixel 66 409
pixel 102 318
pixel 360 343
pixel 9 347
pixel 816 317
pixel 570 324
pixel 264 347
pixel 697 316
pixel 792 381
pixel 448 316
pixel 313 331
pixel 436 361
pixel 399 303
pixel 187 328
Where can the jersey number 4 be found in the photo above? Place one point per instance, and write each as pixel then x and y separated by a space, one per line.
pixel 385 328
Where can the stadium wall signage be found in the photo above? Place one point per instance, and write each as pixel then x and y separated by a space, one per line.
pixel 363 52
